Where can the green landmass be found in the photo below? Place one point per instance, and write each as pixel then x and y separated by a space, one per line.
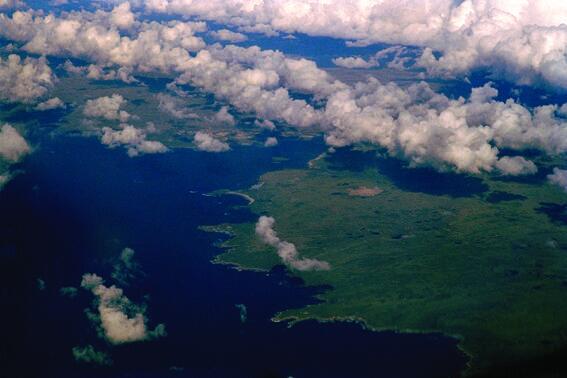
pixel 483 259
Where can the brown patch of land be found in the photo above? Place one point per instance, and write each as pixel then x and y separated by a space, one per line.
pixel 364 191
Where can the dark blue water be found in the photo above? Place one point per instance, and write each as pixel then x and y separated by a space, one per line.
pixel 77 205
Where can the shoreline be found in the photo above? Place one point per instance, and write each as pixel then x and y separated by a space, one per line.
pixel 293 319
pixel 250 199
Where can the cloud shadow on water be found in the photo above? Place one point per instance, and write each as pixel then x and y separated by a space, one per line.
pixel 421 180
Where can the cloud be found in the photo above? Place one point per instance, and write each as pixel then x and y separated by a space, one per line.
pixel 4 178
pixel 8 4
pixel 227 35
pixel 134 139
pixel 271 142
pixel 223 116
pixel 52 103
pixel 395 57
pixel 120 320
pixel 126 269
pixel 68 291
pixel 206 142
pixel 523 41
pixel 107 107
pixel 94 36
pixel 174 107
pixel 353 62
pixel 24 80
pixel 515 166
pixel 427 128
pixel 122 16
pixel 12 145
pixel 286 251
pixel 265 124
pixel 559 177
pixel 99 72
pixel 414 123
pixel 89 355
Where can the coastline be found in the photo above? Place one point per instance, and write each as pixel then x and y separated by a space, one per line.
pixel 243 195
pixel 292 320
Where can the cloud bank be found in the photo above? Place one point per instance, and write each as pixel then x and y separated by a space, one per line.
pixel 415 123
pixel 522 41
pixel 286 251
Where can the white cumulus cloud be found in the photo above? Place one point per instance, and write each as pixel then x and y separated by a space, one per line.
pixel 121 321
pixel 223 116
pixel 353 62
pixel 52 103
pixel 24 80
pixel 228 35
pixel 134 139
pixel 206 142
pixel 107 107
pixel 271 142
pixel 559 177
pixel 12 145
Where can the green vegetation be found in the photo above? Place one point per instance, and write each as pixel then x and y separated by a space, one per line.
pixel 482 259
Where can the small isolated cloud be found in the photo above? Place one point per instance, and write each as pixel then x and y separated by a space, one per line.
pixel 515 166
pixel 4 178
pixel 119 320
pixel 223 116
pixel 12 145
pixel 133 139
pixel 126 269
pixel 265 124
pixel 107 107
pixel 267 30
pixel 24 80
pixel 353 62
pixel 287 251
pixel 51 104
pixel 68 291
pixel 559 177
pixel 227 35
pixel 271 142
pixel 394 57
pixel 206 142
pixel 89 355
